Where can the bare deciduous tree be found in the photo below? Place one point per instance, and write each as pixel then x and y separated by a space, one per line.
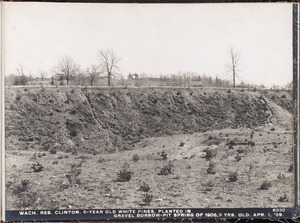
pixel 20 70
pixel 66 68
pixel 234 64
pixel 93 71
pixel 108 63
pixel 21 79
pixel 81 79
pixel 42 75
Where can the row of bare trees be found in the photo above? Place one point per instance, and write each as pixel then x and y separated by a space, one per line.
pixel 67 69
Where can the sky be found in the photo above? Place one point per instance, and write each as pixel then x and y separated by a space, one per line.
pixel 153 38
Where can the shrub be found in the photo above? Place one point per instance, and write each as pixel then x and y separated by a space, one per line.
pixel 251 143
pixel 237 158
pixel 283 198
pixel 20 80
pixel 266 185
pixel 181 144
pixel 272 129
pixel 211 168
pixel 101 160
pixel 208 155
pixel 144 187
pixel 147 198
pixel 124 174
pixel 291 168
pixel 240 150
pixel 135 157
pixel 166 169
pixel 164 155
pixel 213 140
pixel 18 97
pixel 36 167
pixel 280 176
pixel 209 184
pixel 233 176
pixel 283 96
pixel 53 151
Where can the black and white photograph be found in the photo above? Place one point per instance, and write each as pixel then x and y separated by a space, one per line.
pixel 148 106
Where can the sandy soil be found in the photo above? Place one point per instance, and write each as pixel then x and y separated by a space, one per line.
pixel 188 184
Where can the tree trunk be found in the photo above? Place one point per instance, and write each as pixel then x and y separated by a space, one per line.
pixel 109 78
pixel 92 80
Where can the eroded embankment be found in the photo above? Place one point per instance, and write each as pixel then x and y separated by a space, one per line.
pixel 98 120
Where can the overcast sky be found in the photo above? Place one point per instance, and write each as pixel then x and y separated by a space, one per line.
pixel 153 39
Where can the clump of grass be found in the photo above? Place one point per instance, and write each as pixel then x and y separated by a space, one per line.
pixel 124 174
pixel 291 168
pixel 266 185
pixel 144 187
pixel 233 176
pixel 181 144
pixel 211 168
pixel 166 169
pixel 135 158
